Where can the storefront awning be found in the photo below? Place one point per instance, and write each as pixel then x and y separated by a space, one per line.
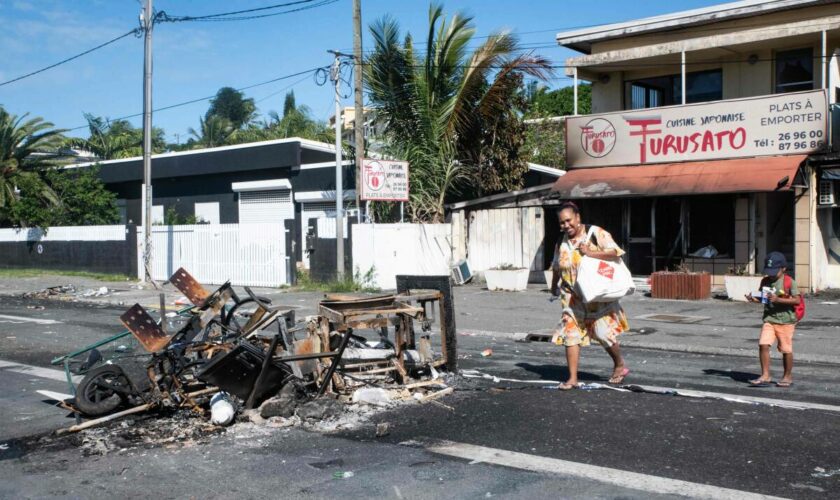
pixel 744 175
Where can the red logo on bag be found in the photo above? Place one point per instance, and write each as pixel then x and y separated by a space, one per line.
pixel 606 270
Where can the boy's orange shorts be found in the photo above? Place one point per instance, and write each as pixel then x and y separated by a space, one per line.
pixel 783 333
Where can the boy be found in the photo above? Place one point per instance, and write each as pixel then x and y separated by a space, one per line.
pixel 779 318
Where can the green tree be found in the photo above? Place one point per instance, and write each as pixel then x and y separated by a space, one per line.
pixel 453 115
pixel 559 102
pixel 84 200
pixel 289 103
pixel 296 121
pixel 27 148
pixel 232 105
pixel 545 142
pixel 214 131
pixel 110 140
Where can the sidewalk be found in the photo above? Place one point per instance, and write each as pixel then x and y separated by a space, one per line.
pixel 714 327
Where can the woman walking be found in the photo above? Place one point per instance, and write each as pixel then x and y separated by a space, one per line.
pixel 580 321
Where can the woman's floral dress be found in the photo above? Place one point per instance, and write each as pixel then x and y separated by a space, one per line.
pixel 580 321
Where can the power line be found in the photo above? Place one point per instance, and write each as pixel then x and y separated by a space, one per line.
pixel 207 98
pixel 228 16
pixel 135 31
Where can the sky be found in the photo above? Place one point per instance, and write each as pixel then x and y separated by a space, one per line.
pixel 192 60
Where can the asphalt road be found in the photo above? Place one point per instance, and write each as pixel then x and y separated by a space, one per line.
pixel 512 439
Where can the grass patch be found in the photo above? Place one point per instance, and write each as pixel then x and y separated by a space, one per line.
pixel 34 273
pixel 356 283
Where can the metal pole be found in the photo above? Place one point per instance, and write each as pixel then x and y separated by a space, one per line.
pixel 824 65
pixel 147 144
pixel 575 111
pixel 360 112
pixel 682 76
pixel 339 188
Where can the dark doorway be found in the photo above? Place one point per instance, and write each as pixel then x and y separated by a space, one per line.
pixel 668 233
pixel 640 218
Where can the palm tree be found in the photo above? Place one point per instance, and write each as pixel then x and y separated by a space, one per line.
pixel 214 131
pixel 26 149
pixel 454 115
pixel 110 140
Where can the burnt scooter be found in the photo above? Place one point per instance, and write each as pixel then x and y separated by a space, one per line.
pixel 167 377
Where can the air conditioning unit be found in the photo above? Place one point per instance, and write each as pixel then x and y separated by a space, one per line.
pixel 461 273
pixel 826 192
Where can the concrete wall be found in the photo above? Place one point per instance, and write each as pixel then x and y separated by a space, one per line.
pixel 802 240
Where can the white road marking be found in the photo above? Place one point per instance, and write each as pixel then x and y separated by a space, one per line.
pixel 56 396
pixel 732 398
pixel 738 398
pixel 37 371
pixel 554 466
pixel 30 320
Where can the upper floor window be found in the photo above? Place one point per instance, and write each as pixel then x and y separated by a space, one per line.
pixel 700 86
pixel 794 70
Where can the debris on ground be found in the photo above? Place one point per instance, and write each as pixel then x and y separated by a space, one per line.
pixel 487 353
pixel 51 292
pixel 242 361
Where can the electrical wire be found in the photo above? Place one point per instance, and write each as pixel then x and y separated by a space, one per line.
pixel 135 31
pixel 207 98
pixel 228 16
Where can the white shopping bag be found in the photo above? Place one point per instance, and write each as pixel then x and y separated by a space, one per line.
pixel 603 280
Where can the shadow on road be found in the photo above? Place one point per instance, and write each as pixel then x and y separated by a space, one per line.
pixel 556 372
pixel 736 376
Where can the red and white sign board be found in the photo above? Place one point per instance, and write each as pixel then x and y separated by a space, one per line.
pixel 384 180
pixel 780 124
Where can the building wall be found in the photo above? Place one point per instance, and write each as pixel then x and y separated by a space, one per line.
pixel 719 51
pixel 100 249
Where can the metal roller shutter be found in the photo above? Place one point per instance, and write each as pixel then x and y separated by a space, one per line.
pixel 266 206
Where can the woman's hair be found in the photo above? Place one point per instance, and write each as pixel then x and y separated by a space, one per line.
pixel 570 205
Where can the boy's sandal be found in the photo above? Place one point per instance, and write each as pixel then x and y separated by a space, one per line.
pixel 783 383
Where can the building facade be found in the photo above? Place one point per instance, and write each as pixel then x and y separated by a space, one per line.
pixel 709 144
pixel 285 180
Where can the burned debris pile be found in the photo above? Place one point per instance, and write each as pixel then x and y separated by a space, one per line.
pixel 230 357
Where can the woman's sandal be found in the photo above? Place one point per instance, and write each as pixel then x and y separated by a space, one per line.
pixel 565 386
pixel 619 379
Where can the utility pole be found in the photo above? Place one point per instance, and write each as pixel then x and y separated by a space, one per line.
pixel 360 112
pixel 335 76
pixel 148 21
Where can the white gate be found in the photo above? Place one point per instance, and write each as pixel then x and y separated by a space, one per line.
pixel 244 254
pixel 506 236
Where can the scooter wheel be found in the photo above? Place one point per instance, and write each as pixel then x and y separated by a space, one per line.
pixel 95 395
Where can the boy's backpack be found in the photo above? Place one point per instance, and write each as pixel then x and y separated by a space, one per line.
pixel 799 309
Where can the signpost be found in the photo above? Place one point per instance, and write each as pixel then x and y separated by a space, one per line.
pixel 385 180
pixel 780 124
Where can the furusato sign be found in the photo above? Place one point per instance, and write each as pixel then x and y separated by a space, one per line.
pixel 762 126
pixel 384 180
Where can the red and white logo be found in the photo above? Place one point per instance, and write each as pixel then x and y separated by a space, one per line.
pixel 606 270
pixel 597 138
pixel 374 176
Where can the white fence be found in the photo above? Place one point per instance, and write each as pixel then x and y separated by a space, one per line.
pixel 391 249
pixel 244 254
pixel 499 236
